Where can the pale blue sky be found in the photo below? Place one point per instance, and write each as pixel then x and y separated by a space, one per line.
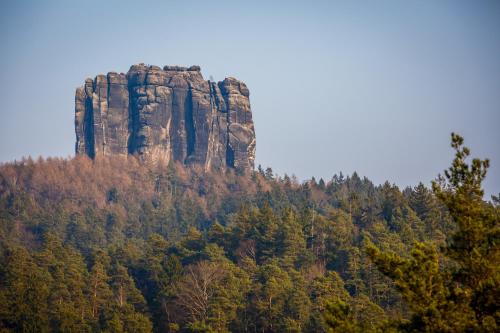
pixel 371 86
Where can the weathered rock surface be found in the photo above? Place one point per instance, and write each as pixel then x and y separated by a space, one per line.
pixel 166 114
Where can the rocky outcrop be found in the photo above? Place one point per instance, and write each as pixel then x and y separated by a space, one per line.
pixel 166 114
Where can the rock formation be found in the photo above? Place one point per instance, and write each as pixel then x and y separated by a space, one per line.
pixel 166 114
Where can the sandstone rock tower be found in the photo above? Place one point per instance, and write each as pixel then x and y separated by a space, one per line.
pixel 166 114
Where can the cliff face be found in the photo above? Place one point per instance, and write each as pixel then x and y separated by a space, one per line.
pixel 166 114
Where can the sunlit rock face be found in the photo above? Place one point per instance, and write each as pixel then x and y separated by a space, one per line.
pixel 166 114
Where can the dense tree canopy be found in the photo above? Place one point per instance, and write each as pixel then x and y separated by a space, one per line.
pixel 117 245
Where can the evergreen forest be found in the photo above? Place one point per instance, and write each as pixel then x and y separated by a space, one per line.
pixel 120 245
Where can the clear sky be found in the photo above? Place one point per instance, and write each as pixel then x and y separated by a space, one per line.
pixel 369 86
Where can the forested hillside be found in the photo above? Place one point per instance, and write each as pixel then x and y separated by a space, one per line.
pixel 118 245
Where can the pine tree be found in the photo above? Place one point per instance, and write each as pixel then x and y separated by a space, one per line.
pixel 24 294
pixel 460 291
pixel 475 246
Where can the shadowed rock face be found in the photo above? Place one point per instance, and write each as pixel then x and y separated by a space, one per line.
pixel 166 114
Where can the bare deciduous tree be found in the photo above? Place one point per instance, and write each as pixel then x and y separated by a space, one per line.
pixel 197 287
pixel 247 249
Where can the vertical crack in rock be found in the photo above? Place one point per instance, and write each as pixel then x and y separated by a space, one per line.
pixel 211 156
pixel 229 150
pixel 189 123
pixel 230 157
pixel 88 128
pixel 166 114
